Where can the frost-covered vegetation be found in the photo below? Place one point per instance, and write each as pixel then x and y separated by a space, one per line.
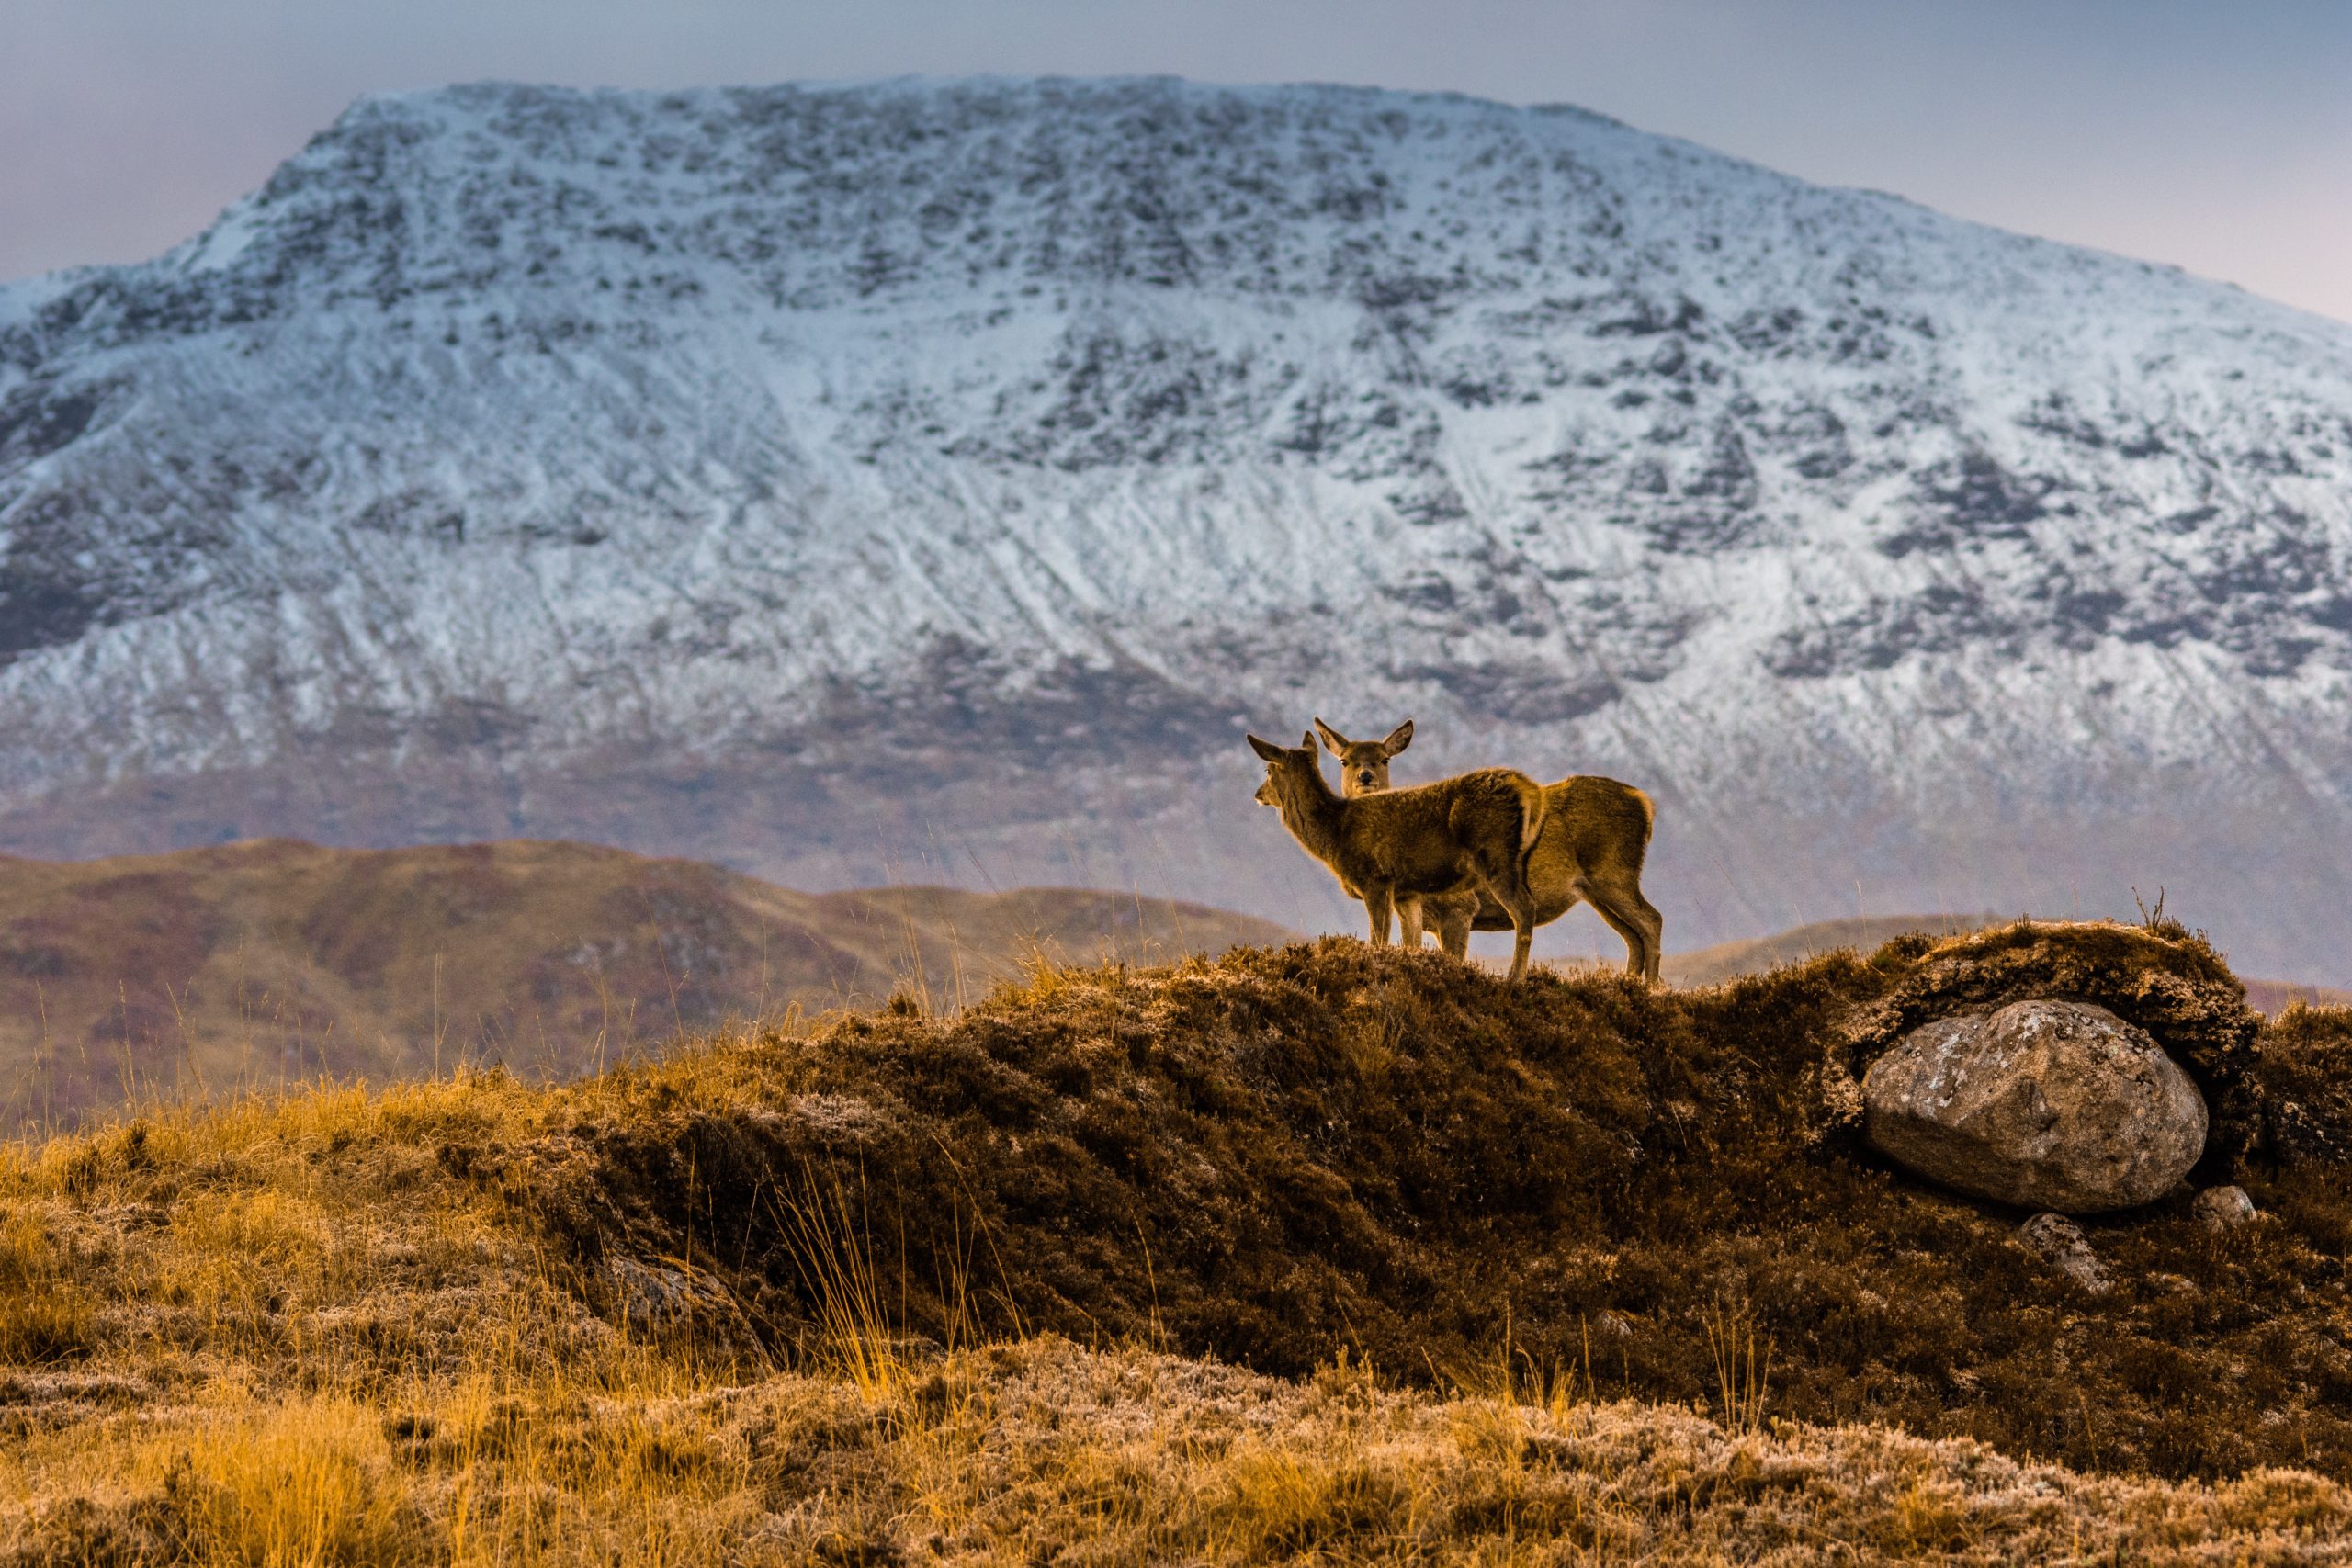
pixel 1306 1254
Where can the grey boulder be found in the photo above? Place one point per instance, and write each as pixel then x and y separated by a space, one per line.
pixel 2044 1105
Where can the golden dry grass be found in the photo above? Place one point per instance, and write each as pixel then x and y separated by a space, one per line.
pixel 1048 1451
pixel 336 1326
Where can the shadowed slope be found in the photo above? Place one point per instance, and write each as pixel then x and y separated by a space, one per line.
pixel 1290 1152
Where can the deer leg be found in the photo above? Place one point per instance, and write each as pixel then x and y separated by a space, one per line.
pixel 1633 918
pixel 1506 881
pixel 1614 916
pixel 1376 905
pixel 1408 924
pixel 1453 927
pixel 1510 890
pixel 1652 926
pixel 1522 927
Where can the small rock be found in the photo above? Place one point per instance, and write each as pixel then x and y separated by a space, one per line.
pixel 2044 1105
pixel 2223 1208
pixel 653 1297
pixel 2062 1244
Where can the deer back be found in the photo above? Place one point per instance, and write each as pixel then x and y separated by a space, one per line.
pixel 1431 837
pixel 1592 825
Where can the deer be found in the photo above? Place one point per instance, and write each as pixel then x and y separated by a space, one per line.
pixel 1468 836
pixel 1595 834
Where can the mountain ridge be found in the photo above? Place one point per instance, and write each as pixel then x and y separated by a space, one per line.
pixel 764 475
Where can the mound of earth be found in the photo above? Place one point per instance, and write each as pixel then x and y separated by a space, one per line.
pixel 1294 1154
pixel 270 960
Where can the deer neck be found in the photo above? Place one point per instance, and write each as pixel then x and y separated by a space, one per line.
pixel 1314 817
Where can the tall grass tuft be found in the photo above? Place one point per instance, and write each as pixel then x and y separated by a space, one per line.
pixel 306 1485
pixel 45 1315
pixel 830 1245
pixel 1742 1365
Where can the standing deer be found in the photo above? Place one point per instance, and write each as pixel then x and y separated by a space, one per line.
pixel 1596 832
pixel 1469 835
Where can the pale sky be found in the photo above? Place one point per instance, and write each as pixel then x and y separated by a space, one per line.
pixel 2214 135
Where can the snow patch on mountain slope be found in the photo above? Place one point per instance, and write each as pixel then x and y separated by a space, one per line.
pixel 996 439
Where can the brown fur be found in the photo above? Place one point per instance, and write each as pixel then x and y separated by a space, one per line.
pixel 1469 836
pixel 1596 834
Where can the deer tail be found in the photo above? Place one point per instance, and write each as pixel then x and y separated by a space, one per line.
pixel 1533 805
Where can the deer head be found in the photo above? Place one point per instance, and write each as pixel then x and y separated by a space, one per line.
pixel 1364 764
pixel 1285 768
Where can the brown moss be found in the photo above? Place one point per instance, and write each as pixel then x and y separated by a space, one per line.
pixel 2167 980
pixel 2304 1082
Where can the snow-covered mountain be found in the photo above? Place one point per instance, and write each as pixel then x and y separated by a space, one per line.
pixel 928 479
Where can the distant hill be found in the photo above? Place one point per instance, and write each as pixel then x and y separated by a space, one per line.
pixel 2277 996
pixel 1729 961
pixel 271 959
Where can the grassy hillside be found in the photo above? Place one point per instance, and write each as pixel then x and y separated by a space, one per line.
pixel 270 960
pixel 1506 1274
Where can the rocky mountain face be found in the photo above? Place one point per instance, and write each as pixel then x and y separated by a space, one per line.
pixel 932 480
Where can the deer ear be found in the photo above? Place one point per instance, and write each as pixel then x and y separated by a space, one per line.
pixel 1307 741
pixel 1266 748
pixel 1399 738
pixel 1333 741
